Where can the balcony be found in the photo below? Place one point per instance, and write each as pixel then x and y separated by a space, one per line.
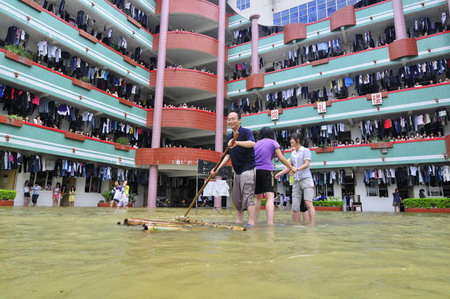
pixel 190 49
pixel 175 161
pixel 200 15
pixel 108 14
pixel 55 30
pixel 366 19
pixel 236 21
pixel 187 124
pixel 427 151
pixel 402 101
pixel 366 61
pixel 45 81
pixel 185 85
pixel 38 139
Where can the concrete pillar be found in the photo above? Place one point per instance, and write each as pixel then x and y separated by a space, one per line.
pixel 220 87
pixel 159 95
pixel 255 36
pixel 399 19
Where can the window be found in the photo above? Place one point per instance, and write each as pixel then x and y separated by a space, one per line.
pixel 312 17
pixel 372 188
pixel 93 185
pixel 311 11
pixel 43 179
pixel 331 10
pixel 326 190
pixel 377 189
pixel 321 14
pixel 243 4
pixel 293 10
pixel 383 190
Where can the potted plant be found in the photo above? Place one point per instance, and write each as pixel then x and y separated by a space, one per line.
pixel 331 204
pixel 19 54
pixel 323 148
pixel 427 205
pixel 105 202
pixel 13 120
pixel 131 199
pixel 122 143
pixel 7 198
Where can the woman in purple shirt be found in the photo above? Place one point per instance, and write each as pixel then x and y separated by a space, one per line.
pixel 265 149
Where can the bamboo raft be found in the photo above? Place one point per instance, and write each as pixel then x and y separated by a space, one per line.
pixel 184 222
pixel 160 225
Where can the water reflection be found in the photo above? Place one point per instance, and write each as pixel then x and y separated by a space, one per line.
pixel 82 253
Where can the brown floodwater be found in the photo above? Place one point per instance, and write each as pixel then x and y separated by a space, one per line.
pixel 83 253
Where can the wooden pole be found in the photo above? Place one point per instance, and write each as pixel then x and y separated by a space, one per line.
pixel 184 218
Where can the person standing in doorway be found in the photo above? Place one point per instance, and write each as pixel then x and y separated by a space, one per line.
pixel 36 189
pixel 242 157
pixel 64 195
pixel 72 193
pixel 397 200
pixel 56 194
pixel 26 194
pixel 303 186
pixel 265 149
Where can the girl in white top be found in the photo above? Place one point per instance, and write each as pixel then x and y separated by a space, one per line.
pixel 56 194
pixel 26 194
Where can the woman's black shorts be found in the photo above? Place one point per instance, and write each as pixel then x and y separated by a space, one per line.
pixel 265 182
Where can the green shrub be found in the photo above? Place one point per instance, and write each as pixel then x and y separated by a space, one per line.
pixel 7 194
pixel 107 195
pixel 328 203
pixel 20 51
pixel 15 116
pixel 123 140
pixel 441 203
pixel 85 79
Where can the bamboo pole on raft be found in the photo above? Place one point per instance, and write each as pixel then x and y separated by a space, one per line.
pixel 184 218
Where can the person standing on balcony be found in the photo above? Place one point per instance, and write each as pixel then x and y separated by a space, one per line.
pixel 242 157
pixel 303 186
pixel 265 149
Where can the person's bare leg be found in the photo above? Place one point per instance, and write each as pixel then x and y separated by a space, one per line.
pixel 270 207
pixel 305 216
pixel 295 216
pixel 251 215
pixel 311 211
pixel 240 217
pixel 26 201
pixel 257 207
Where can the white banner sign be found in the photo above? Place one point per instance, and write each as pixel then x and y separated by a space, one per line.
pixel 377 98
pixel 321 107
pixel 274 114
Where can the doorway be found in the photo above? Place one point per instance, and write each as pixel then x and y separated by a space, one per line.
pixel 68 182
pixel 348 190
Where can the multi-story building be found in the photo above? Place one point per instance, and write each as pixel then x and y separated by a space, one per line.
pixel 366 84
